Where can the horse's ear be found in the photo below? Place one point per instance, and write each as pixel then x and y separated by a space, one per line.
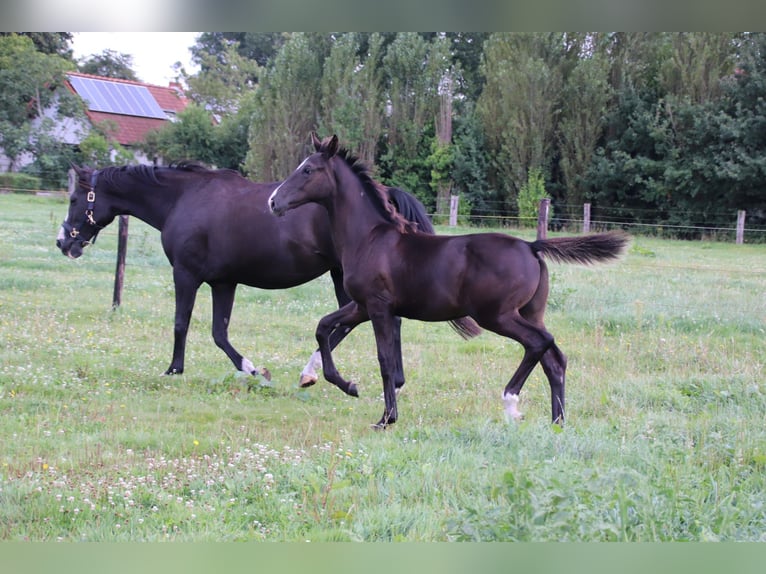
pixel 332 147
pixel 316 141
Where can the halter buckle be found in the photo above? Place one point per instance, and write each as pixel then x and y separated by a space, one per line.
pixel 91 196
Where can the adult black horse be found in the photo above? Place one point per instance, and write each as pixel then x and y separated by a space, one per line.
pixel 215 229
pixel 392 270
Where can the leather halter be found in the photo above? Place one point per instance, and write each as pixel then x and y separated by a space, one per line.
pixel 73 231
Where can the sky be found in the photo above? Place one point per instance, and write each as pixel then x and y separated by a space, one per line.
pixel 154 53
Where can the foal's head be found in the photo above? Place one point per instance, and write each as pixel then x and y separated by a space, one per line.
pixel 316 180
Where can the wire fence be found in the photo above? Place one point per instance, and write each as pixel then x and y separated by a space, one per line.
pixel 696 224
pixel 639 221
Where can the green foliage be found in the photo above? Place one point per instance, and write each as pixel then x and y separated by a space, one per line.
pixel 191 136
pixel 109 64
pixel 528 200
pixel 19 182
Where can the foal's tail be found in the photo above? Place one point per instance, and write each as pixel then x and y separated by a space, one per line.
pixel 585 249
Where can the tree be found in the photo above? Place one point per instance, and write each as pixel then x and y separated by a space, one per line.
pixel 224 79
pixel 28 87
pixel 190 137
pixel 584 100
pixel 50 43
pixel 519 105
pixel 413 69
pixel 109 64
pixel 287 107
pixel 352 93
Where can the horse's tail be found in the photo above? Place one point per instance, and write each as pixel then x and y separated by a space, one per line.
pixel 584 249
pixel 413 210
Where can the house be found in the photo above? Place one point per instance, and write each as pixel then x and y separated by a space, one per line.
pixel 127 110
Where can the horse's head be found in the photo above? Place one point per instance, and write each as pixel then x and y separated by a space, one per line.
pixel 312 181
pixel 86 216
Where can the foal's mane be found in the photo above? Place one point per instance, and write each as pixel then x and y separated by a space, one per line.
pixel 376 191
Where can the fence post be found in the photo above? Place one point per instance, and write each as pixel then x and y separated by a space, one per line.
pixel 454 200
pixel 586 218
pixel 122 248
pixel 542 218
pixel 740 227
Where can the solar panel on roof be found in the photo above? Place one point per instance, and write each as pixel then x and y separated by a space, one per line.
pixel 117 98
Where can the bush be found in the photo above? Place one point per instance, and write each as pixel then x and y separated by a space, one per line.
pixel 529 198
pixel 18 182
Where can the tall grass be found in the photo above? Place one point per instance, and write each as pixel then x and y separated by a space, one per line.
pixel 664 438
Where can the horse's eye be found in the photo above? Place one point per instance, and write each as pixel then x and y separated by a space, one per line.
pixel 307 170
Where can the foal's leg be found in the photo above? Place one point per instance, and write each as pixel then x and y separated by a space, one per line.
pixel 554 364
pixel 388 340
pixel 186 287
pixel 309 373
pixel 347 317
pixel 536 342
pixel 223 303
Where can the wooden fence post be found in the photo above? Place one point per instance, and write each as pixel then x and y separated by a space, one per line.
pixel 586 218
pixel 454 200
pixel 542 218
pixel 741 227
pixel 122 248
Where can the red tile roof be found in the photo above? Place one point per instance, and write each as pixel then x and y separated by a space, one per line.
pixel 131 129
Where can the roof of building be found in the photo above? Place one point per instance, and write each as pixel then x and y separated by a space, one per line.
pixel 132 108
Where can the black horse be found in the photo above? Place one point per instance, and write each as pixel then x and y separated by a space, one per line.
pixel 392 270
pixel 215 229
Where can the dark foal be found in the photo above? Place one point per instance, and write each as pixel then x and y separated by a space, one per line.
pixel 392 270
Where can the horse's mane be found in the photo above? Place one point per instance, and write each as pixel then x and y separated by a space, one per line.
pixel 148 173
pixel 392 203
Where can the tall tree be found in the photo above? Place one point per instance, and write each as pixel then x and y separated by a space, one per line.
pixel 28 82
pixel 519 104
pixel 287 108
pixel 413 69
pixel 352 95
pixel 224 78
pixel 50 43
pixel 109 64
pixel 584 100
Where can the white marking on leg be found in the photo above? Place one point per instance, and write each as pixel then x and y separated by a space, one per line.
pixel 511 403
pixel 248 367
pixel 314 365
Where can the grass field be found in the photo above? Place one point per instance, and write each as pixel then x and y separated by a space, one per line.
pixel 665 436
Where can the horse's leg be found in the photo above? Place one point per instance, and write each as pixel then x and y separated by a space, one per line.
pixel 223 303
pixel 344 319
pixel 309 373
pixel 388 340
pixel 554 363
pixel 186 287
pixel 536 342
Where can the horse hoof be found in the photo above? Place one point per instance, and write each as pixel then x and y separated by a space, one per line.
pixel 264 372
pixel 307 381
pixel 381 426
pixel 352 390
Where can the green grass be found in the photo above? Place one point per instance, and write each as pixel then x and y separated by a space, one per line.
pixel 664 438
